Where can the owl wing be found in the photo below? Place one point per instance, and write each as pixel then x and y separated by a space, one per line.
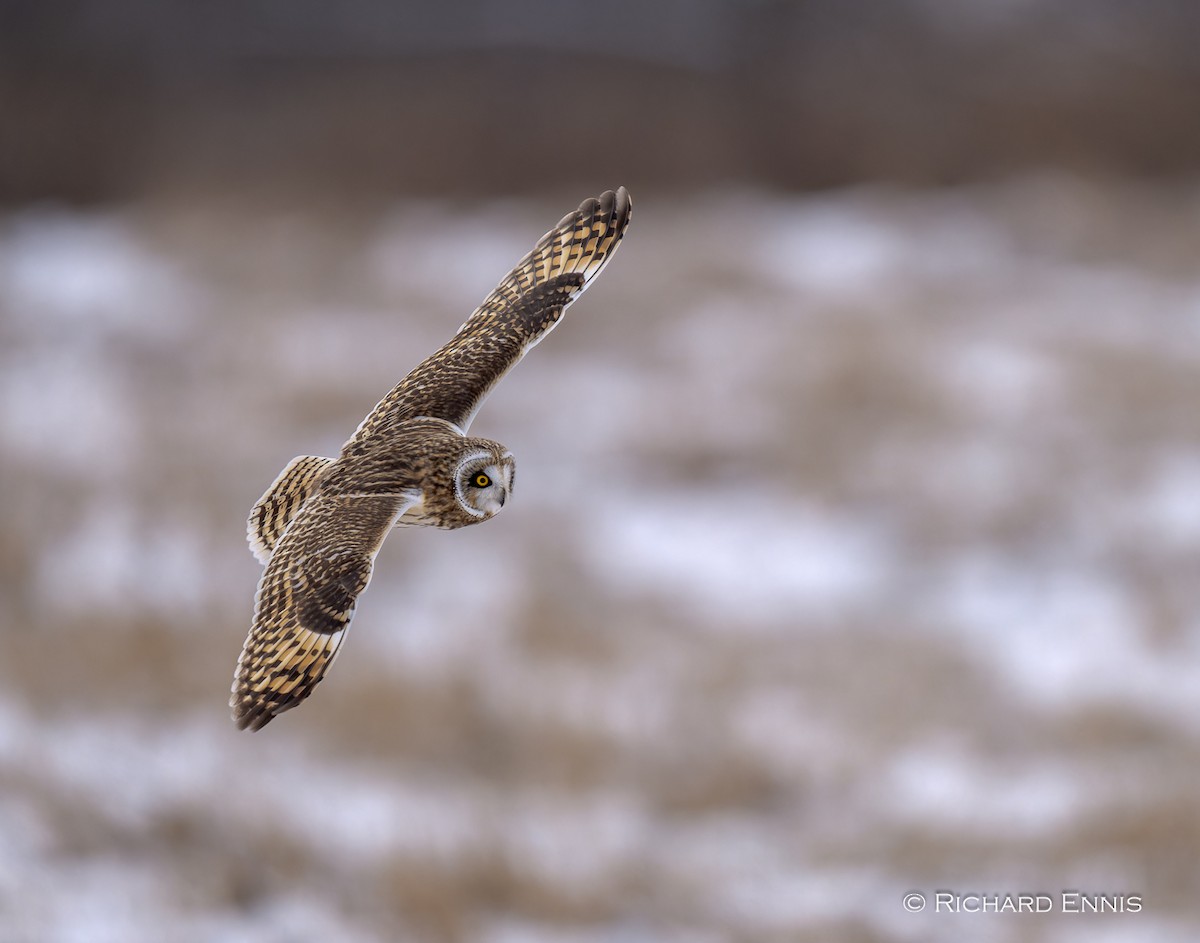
pixel 524 307
pixel 273 512
pixel 306 599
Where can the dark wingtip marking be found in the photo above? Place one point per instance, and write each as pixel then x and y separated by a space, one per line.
pixel 615 205
pixel 619 205
pixel 252 718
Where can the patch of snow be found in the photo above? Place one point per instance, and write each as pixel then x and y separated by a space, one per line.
pixel 90 273
pixel 780 900
pixel 1063 637
pixel 451 256
pixel 853 244
pixel 788 734
pixel 443 597
pixel 629 930
pixel 68 409
pixel 1166 509
pixel 740 560
pixel 945 789
pixel 1001 379
pixel 114 563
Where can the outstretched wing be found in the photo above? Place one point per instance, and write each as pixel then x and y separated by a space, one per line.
pixel 525 306
pixel 306 599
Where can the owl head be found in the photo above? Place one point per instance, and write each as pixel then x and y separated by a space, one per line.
pixel 483 479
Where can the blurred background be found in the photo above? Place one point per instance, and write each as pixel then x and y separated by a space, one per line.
pixel 856 545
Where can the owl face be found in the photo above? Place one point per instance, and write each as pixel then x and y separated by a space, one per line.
pixel 483 481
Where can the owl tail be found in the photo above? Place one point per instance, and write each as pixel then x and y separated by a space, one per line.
pixel 270 517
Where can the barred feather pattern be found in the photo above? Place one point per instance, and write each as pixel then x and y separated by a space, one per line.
pixel 526 305
pixel 319 526
pixel 306 599
pixel 322 561
pixel 275 509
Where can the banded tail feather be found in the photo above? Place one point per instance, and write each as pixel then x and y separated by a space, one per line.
pixel 273 512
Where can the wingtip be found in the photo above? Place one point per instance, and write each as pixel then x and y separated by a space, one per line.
pixel 244 712
pixel 247 711
pixel 249 716
pixel 623 208
pixel 614 203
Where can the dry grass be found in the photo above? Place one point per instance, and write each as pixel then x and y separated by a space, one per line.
pixel 588 753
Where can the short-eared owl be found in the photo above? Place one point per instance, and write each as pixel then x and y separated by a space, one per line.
pixel 411 462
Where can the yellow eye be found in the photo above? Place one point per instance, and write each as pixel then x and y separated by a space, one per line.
pixel 481 480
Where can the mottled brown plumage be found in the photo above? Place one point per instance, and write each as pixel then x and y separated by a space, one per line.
pixel 410 463
pixel 452 383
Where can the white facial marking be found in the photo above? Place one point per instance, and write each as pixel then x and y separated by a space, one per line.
pixel 482 500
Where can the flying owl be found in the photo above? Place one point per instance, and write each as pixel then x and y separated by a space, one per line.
pixel 410 463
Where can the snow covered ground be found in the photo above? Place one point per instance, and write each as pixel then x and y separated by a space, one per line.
pixel 854 553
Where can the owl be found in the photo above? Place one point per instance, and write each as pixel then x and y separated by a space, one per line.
pixel 411 463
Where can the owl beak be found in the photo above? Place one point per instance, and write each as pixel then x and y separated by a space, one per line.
pixel 494 504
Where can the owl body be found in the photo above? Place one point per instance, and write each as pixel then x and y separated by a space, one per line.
pixel 463 479
pixel 459 479
pixel 410 463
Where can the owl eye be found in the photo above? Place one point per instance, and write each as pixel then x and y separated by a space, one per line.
pixel 481 480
